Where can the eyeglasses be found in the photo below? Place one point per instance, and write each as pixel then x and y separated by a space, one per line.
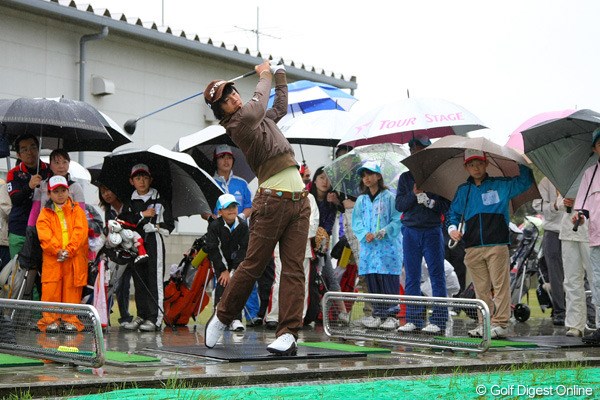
pixel 28 149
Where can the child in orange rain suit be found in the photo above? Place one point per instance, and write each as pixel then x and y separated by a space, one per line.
pixel 62 229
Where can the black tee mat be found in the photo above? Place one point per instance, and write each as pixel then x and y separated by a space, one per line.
pixel 255 352
pixel 551 341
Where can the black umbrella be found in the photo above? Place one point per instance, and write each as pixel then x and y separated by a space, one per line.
pixel 201 146
pixel 189 189
pixel 61 123
pixel 561 147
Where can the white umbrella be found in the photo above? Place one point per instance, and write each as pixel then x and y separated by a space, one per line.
pixel 321 128
pixel 201 146
pixel 400 121
pixel 76 170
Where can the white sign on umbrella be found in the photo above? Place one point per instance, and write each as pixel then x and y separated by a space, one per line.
pixel 400 121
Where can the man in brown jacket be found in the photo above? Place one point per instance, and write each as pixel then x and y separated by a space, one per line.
pixel 280 210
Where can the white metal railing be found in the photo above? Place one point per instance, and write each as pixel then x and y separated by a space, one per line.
pixel 361 305
pixel 20 334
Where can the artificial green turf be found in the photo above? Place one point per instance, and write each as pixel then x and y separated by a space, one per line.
pixel 555 383
pixel 9 360
pixel 344 347
pixel 120 356
pixel 494 343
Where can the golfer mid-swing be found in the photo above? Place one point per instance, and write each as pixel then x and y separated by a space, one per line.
pixel 280 210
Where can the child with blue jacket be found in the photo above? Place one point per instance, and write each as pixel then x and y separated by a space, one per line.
pixel 376 224
pixel 483 204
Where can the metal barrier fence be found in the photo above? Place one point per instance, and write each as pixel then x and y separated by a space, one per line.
pixel 377 317
pixel 20 334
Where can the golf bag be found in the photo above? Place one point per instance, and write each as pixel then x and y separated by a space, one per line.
pixel 12 280
pixel 316 290
pixel 186 291
pixel 523 267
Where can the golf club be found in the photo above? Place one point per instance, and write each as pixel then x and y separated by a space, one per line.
pixel 130 124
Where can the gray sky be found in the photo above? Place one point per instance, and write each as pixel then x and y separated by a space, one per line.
pixel 503 60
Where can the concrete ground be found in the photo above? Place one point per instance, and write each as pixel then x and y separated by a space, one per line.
pixel 53 379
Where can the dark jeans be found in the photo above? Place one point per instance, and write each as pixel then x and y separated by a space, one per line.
pixel 273 220
pixel 264 287
pixel 122 294
pixel 418 244
pixel 552 253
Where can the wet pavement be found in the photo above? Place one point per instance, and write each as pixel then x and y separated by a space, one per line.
pixel 53 379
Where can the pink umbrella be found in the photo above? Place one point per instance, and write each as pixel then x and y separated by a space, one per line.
pixel 515 140
pixel 400 121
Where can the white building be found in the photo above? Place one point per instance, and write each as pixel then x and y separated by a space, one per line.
pixel 127 68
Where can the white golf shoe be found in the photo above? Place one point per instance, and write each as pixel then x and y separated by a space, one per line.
pixel 284 345
pixel 213 331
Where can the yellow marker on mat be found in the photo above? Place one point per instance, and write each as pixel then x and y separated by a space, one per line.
pixel 199 258
pixel 68 349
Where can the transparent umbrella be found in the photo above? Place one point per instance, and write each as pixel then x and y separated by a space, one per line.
pixel 343 171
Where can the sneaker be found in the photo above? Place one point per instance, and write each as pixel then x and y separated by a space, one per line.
pixel 133 325
pixel 271 325
pixel 498 332
pixel 254 322
pixel 431 328
pixel 236 326
pixel 574 332
pixel 558 321
pixel 344 317
pixel 213 331
pixel 477 332
pixel 148 326
pixel 371 322
pixel 593 338
pixel 52 328
pixel 69 327
pixel 389 324
pixel 590 327
pixel 408 327
pixel 284 345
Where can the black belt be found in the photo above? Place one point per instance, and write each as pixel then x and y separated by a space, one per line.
pixel 294 196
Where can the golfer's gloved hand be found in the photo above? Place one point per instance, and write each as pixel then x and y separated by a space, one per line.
pixel 150 228
pixel 380 234
pixel 276 67
pixel 422 198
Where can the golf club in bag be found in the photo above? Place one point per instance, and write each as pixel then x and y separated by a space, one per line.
pixel 130 124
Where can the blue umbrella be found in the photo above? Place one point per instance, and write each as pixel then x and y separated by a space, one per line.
pixel 308 96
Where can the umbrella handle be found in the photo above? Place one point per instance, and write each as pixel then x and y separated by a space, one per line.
pixel 452 243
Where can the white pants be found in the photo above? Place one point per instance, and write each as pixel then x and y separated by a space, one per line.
pixel 273 309
pixel 576 264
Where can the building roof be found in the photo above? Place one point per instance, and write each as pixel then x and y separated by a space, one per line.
pixel 87 15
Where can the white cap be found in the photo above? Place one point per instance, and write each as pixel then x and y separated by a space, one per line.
pixel 225 200
pixel 57 181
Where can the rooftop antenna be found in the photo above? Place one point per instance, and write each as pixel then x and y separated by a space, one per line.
pixel 257 31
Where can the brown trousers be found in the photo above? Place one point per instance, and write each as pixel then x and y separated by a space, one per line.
pixel 489 268
pixel 273 220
